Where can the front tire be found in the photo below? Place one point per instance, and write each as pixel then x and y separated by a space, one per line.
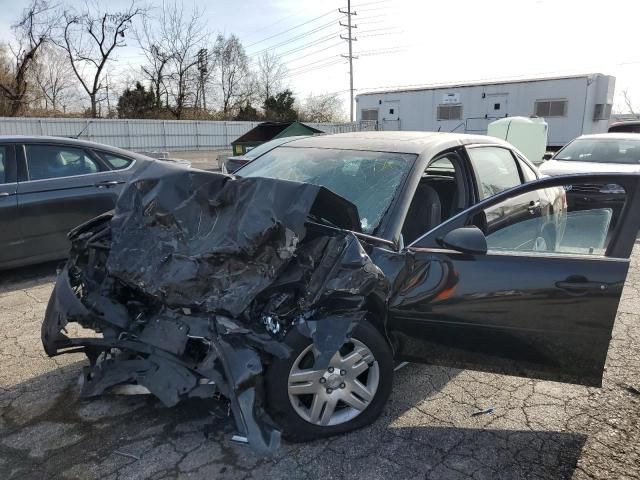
pixel 308 403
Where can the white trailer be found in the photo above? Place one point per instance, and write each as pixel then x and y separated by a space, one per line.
pixel 571 105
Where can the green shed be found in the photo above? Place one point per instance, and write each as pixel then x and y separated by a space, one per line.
pixel 268 131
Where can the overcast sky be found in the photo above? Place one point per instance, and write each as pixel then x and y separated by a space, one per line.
pixel 414 42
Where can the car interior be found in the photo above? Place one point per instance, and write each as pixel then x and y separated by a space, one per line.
pixel 47 162
pixel 439 196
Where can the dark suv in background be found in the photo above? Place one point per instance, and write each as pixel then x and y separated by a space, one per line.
pixel 625 127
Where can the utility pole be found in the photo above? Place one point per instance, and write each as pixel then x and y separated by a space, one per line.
pixel 349 38
pixel 203 69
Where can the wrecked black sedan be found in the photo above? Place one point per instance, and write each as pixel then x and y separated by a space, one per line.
pixel 293 288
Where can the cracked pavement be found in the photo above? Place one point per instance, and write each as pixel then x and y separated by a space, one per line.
pixel 538 429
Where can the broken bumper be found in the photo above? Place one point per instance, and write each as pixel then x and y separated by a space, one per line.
pixel 118 361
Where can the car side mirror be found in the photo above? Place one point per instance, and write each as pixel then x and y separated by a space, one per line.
pixel 465 240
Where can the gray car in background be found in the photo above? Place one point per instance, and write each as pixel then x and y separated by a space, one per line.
pixel 49 185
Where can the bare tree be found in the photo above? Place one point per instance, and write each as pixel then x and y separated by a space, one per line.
pixel 54 76
pixel 322 108
pixel 5 78
pixel 157 56
pixel 31 32
pixel 270 75
pixel 233 75
pixel 628 102
pixel 90 38
pixel 180 40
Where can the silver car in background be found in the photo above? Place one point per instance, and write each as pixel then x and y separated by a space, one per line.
pixel 605 152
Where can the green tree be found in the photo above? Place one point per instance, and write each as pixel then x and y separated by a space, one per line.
pixel 136 103
pixel 247 112
pixel 279 108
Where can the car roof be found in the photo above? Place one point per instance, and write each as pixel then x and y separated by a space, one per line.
pixel 396 142
pixel 611 136
pixel 69 141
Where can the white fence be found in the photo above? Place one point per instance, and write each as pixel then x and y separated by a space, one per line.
pixel 170 135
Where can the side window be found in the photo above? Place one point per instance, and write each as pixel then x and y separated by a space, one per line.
pixel 4 165
pixel 449 112
pixel 440 166
pixel 574 219
pixel 495 169
pixel 434 200
pixel 550 108
pixel 527 172
pixel 116 162
pixel 50 161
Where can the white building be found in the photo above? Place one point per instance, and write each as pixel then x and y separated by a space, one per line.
pixel 571 105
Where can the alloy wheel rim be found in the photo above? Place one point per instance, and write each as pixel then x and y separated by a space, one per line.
pixel 339 393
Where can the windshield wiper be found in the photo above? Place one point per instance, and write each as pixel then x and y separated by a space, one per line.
pixel 321 220
pixel 323 223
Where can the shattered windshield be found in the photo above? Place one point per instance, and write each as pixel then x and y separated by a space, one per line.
pixel 367 179
pixel 602 151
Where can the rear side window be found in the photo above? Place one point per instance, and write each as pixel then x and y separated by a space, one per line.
pixel 53 161
pixel 495 169
pixel 116 162
pixel 527 172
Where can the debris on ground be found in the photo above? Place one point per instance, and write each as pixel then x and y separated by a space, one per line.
pixel 486 411
pixel 125 454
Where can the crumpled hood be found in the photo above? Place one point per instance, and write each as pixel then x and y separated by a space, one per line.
pixel 196 278
pixel 170 233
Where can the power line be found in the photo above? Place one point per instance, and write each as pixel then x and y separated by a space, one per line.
pixel 292 28
pixel 317 67
pixel 374 30
pixel 277 22
pixel 382 51
pixel 313 63
pixel 364 20
pixel 373 9
pixel 311 44
pixel 296 38
pixel 330 64
pixel 382 20
pixel 315 52
pixel 380 34
pixel 369 3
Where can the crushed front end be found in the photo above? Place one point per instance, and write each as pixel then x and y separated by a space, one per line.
pixel 195 279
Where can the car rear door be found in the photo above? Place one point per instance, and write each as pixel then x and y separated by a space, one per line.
pixel 11 246
pixel 65 185
pixel 514 309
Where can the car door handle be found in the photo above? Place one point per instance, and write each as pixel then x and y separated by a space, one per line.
pixel 534 206
pixel 4 194
pixel 106 184
pixel 581 286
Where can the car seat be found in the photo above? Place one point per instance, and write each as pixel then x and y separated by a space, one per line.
pixel 631 155
pixel 425 213
pixel 44 163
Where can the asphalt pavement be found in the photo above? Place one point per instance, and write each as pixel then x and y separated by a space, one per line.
pixel 430 428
